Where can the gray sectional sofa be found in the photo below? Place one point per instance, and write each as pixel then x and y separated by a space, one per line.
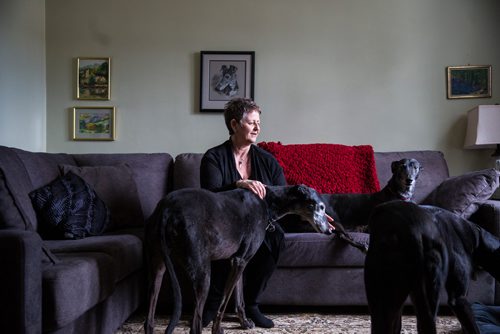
pixel 92 285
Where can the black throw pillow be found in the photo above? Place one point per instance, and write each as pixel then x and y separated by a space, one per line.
pixel 68 208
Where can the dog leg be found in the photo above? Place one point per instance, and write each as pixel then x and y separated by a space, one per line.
pixel 154 289
pixel 201 284
pixel 426 305
pixel 462 309
pixel 386 290
pixel 237 266
pixel 457 284
pixel 240 306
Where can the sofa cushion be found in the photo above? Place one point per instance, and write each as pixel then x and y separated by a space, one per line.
pixel 78 282
pixel 25 171
pixel 115 185
pixel 151 172
pixel 463 194
pixel 10 216
pixel 68 208
pixel 187 170
pixel 320 250
pixel 124 249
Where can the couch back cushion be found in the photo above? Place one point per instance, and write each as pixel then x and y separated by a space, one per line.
pixel 24 172
pixel 116 186
pixel 151 173
pixel 434 170
pixel 187 170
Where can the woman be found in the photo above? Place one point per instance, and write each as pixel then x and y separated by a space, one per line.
pixel 237 163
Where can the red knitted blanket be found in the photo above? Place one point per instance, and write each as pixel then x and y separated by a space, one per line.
pixel 328 168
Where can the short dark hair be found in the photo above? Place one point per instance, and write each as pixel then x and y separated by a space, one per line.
pixel 237 109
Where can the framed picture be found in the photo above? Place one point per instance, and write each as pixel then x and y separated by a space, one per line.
pixel 467 82
pixel 94 123
pixel 93 78
pixel 224 76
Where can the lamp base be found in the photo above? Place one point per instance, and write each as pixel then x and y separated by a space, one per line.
pixel 496 154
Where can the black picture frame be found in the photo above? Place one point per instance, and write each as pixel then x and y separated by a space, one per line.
pixel 225 75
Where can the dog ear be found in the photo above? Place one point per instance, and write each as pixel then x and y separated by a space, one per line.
pixel 302 189
pixel 394 166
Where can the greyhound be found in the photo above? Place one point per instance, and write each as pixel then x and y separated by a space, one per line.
pixel 192 227
pixel 226 83
pixel 352 211
pixel 416 250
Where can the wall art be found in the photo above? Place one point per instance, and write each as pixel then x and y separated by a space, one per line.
pixel 470 81
pixel 93 78
pixel 94 123
pixel 225 75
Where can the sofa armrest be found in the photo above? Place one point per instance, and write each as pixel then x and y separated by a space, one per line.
pixel 20 281
pixel 488 216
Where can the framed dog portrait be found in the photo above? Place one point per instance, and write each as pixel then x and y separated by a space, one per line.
pixel 93 78
pixel 468 82
pixel 223 76
pixel 94 123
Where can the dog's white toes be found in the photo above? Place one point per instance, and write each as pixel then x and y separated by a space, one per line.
pixel 247 324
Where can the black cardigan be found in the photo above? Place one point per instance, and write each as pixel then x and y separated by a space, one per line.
pixel 218 169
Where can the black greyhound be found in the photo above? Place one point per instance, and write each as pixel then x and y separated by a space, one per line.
pixel 415 251
pixel 352 211
pixel 192 227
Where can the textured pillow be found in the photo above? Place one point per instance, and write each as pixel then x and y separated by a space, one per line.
pixel 68 208
pixel 328 168
pixel 463 194
pixel 117 188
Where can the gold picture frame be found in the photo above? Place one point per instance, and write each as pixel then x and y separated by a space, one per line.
pixel 94 123
pixel 93 78
pixel 468 82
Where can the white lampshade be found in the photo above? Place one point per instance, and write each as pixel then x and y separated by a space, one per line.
pixel 483 127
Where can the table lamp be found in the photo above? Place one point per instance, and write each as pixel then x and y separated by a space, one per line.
pixel 483 130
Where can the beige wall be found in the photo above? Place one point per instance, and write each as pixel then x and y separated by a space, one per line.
pixel 22 74
pixel 333 71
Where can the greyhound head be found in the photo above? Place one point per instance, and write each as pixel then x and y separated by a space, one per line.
pixel 300 200
pixel 226 82
pixel 404 176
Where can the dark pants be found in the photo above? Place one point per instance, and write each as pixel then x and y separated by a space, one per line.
pixel 256 275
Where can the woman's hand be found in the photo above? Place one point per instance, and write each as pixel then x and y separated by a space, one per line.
pixel 257 187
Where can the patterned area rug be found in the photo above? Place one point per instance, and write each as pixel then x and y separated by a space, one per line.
pixel 303 323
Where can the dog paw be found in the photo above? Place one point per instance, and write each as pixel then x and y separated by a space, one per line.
pixel 219 330
pixel 247 324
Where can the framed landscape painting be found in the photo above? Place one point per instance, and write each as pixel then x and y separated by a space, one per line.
pixel 471 81
pixel 94 123
pixel 93 78
pixel 225 75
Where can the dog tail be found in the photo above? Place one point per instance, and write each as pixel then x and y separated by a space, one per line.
pixel 176 289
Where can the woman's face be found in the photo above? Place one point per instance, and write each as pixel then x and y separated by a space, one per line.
pixel 249 128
